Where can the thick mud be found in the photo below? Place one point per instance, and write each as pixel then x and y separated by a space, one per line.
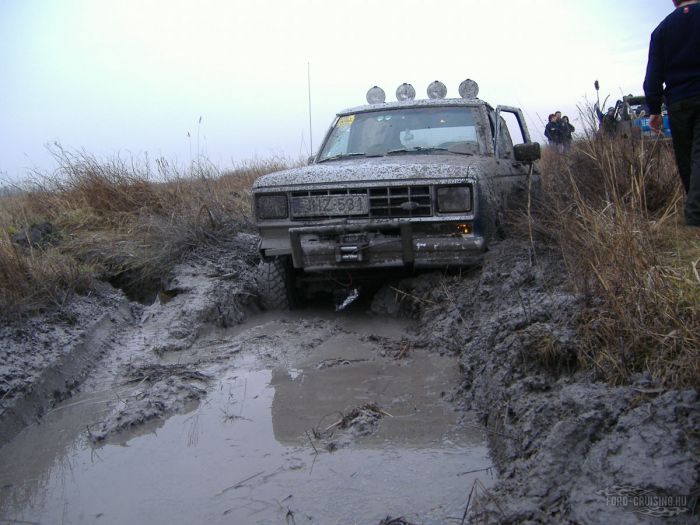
pixel 202 408
pixel 568 449
pixel 315 418
pixel 44 359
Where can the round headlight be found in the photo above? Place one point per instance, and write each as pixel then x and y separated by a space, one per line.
pixel 375 95
pixel 437 89
pixel 405 92
pixel 468 89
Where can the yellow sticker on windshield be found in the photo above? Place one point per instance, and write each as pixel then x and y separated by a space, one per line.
pixel 347 120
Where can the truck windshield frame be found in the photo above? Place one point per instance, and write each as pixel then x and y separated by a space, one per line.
pixel 376 133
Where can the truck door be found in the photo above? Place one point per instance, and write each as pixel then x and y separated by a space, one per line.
pixel 509 127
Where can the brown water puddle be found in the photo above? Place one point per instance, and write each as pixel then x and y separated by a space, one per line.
pixel 248 453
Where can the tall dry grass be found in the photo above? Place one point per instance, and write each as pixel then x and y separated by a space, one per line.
pixel 117 219
pixel 614 207
pixel 37 279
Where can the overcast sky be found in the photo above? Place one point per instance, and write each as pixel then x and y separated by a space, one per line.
pixel 132 77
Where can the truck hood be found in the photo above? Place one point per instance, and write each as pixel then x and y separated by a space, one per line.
pixel 376 169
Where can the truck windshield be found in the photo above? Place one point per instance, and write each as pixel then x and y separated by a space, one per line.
pixel 377 133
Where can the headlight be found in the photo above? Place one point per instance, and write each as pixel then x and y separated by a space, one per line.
pixel 453 199
pixel 271 207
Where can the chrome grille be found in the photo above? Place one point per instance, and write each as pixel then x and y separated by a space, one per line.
pixel 400 201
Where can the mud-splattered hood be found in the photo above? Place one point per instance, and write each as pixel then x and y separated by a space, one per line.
pixel 354 171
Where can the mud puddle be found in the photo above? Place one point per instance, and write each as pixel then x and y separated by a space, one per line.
pixel 319 418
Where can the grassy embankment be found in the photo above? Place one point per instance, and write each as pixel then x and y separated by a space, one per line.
pixel 612 206
pixel 115 220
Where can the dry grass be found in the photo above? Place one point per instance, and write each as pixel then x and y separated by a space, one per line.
pixel 118 220
pixel 614 207
pixel 35 279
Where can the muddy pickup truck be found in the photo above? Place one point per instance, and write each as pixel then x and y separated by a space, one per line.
pixel 394 186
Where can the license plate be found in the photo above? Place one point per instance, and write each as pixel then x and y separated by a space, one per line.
pixel 330 205
pixel 353 238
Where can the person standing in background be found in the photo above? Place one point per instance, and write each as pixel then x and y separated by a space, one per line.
pixel 551 130
pixel 567 130
pixel 674 61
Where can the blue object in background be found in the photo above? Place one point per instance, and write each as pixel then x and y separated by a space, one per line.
pixel 643 123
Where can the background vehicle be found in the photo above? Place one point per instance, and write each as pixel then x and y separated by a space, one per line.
pixel 635 111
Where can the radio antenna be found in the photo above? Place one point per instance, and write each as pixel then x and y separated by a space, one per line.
pixel 308 82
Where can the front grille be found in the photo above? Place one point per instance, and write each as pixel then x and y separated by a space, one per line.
pixel 384 202
pixel 400 201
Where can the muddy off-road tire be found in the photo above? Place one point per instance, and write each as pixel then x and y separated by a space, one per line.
pixel 275 281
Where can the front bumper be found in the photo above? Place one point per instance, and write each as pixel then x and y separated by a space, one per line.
pixel 387 244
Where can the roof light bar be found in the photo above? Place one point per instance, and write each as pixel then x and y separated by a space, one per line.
pixel 468 89
pixel 405 92
pixel 376 95
pixel 436 90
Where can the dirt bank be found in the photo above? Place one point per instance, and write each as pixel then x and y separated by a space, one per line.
pixel 568 449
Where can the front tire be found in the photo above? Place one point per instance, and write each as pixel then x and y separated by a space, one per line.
pixel 276 284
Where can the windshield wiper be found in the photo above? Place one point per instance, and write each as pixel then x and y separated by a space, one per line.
pixel 342 156
pixel 460 148
pixel 413 150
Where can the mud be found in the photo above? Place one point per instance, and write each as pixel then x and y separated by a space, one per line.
pixel 202 408
pixel 214 286
pixel 160 390
pixel 564 444
pixel 276 437
pixel 43 359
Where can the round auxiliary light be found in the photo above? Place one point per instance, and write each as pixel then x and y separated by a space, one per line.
pixel 468 89
pixel 376 95
pixel 437 89
pixel 405 92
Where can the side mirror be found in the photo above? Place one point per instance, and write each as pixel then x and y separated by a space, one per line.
pixel 310 160
pixel 529 152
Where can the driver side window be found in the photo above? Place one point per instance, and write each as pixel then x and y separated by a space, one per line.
pixel 505 144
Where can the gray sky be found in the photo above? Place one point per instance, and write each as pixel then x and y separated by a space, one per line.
pixel 135 76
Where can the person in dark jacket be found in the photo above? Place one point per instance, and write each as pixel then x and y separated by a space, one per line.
pixel 674 61
pixel 551 130
pixel 566 130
